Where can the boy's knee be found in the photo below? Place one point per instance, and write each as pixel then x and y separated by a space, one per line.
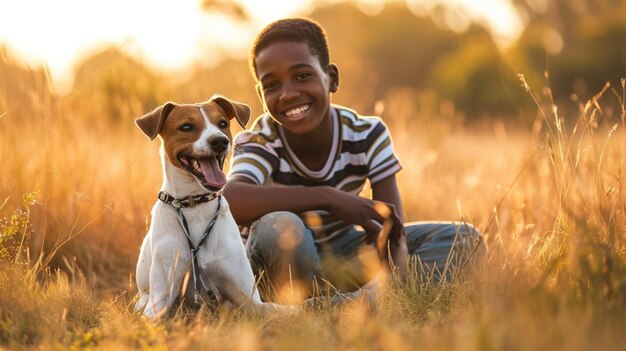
pixel 281 238
pixel 468 231
pixel 467 236
pixel 468 244
pixel 277 230
pixel 283 248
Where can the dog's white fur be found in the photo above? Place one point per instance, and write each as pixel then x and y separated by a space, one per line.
pixel 165 256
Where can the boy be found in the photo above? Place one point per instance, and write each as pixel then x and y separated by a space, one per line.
pixel 297 174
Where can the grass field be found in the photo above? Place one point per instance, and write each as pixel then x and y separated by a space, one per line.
pixel 76 189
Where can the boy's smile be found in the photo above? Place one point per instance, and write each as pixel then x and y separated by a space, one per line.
pixel 294 88
pixel 297 113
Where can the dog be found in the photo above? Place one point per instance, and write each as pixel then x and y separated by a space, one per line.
pixel 193 249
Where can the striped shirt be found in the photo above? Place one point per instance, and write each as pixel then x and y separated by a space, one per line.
pixel 362 150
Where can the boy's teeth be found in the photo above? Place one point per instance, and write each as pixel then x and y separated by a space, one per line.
pixel 296 110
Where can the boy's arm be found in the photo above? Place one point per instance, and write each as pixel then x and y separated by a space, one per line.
pixel 386 191
pixel 249 202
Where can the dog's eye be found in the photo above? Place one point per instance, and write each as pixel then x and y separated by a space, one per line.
pixel 186 127
pixel 222 124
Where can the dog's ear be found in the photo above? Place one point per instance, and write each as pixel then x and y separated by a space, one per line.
pixel 151 123
pixel 233 109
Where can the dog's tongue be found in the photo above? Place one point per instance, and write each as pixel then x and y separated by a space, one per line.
pixel 212 172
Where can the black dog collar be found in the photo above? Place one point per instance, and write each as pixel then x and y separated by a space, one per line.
pixel 189 201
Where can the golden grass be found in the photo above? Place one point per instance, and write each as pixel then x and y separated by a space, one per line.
pixel 550 203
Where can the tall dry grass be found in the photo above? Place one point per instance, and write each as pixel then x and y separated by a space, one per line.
pixel 549 200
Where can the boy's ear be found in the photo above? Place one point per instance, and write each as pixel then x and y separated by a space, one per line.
pixel 233 109
pixel 333 74
pixel 151 123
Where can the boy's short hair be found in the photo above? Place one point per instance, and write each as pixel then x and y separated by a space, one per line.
pixel 300 30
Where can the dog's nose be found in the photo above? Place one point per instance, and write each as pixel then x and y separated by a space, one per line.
pixel 219 143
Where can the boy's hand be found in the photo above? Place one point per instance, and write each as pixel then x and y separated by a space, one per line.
pixel 391 241
pixel 379 220
pixel 392 232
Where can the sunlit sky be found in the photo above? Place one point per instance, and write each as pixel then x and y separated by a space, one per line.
pixel 171 35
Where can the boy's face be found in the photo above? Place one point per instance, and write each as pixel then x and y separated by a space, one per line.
pixel 293 86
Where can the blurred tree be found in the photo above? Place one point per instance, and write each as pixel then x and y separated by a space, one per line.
pixel 227 7
pixel 581 44
pixel 566 15
pixel 24 92
pixel 592 58
pixel 230 78
pixel 397 49
pixel 116 87
pixel 376 53
pixel 476 78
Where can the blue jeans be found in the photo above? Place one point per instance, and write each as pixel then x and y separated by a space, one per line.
pixel 281 249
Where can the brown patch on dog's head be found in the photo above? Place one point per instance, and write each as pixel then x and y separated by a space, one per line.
pixel 192 144
pixel 233 109
pixel 152 122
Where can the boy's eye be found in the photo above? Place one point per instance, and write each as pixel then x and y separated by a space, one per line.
pixel 222 124
pixel 270 85
pixel 186 128
pixel 302 76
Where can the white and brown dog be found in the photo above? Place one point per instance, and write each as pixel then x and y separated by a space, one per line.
pixel 193 244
